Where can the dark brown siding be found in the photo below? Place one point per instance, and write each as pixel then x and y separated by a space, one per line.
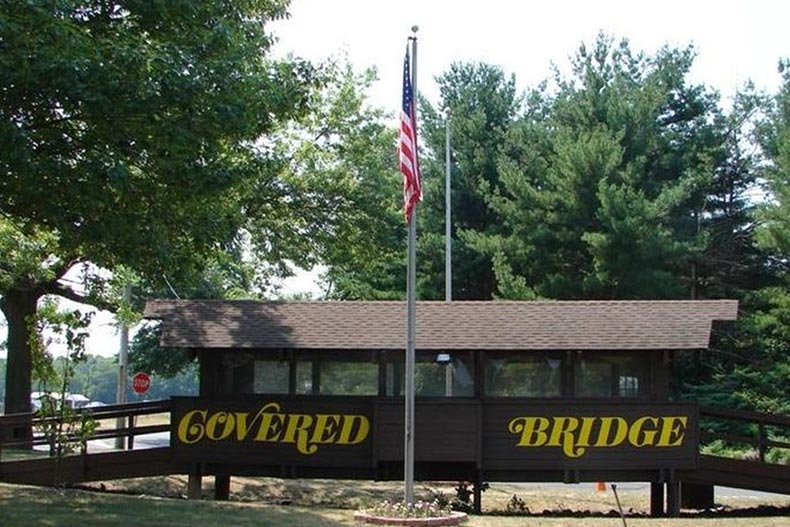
pixel 276 449
pixel 501 450
pixel 489 434
pixel 445 431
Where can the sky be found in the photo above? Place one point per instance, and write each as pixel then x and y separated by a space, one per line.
pixel 736 41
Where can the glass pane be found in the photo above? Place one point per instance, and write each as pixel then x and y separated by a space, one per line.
pixel 612 376
pixel 271 376
pixel 523 377
pixel 349 378
pixel 593 379
pixel 435 375
pixel 304 377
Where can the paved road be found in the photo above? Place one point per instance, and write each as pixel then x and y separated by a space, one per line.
pixel 640 487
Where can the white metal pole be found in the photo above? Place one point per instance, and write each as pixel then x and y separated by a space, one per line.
pixel 448 247
pixel 411 307
pixel 123 366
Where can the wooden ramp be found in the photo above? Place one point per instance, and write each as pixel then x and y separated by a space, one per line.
pixel 92 467
pixel 752 475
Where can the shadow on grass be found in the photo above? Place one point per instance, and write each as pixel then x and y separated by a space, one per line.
pixel 31 506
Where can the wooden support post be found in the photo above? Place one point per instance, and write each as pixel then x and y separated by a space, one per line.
pixel 673 498
pixel 694 496
pixel 477 506
pixel 195 483
pixel 222 487
pixel 656 500
pixel 762 444
pixel 130 440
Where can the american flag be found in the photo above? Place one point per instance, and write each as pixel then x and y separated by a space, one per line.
pixel 412 192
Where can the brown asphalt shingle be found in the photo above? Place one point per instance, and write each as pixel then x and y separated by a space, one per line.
pixel 543 325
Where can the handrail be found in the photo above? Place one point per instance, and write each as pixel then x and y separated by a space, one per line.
pixel 128 411
pixel 745 415
pixel 763 421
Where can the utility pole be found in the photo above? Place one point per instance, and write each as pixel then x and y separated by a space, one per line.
pixel 123 366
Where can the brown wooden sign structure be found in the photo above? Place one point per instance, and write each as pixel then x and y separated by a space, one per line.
pixel 507 391
pixel 512 435
pixel 271 431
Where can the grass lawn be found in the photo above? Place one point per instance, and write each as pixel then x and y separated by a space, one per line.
pixel 23 506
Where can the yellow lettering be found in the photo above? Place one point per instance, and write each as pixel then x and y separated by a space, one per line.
pixel 639 437
pixel 189 432
pixel 362 425
pixel 297 432
pixel 673 430
pixel 271 423
pixel 326 428
pixel 576 434
pixel 584 434
pixel 532 430
pixel 605 431
pixel 225 421
pixel 562 435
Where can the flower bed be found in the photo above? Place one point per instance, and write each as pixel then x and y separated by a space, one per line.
pixel 420 513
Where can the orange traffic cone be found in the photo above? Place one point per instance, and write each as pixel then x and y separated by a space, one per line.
pixel 600 486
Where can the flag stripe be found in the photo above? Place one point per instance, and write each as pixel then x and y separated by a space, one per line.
pixel 412 192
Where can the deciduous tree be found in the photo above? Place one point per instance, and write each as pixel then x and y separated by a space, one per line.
pixel 131 135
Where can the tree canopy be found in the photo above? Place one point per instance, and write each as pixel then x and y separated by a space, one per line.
pixel 618 179
pixel 134 137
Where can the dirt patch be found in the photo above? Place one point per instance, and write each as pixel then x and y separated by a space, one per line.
pixel 542 500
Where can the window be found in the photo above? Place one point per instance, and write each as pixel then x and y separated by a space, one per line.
pixel 611 375
pixel 348 378
pixel 321 373
pixel 271 376
pixel 436 374
pixel 304 377
pixel 524 375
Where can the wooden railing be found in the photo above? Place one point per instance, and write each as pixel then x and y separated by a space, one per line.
pixel 764 429
pixel 118 421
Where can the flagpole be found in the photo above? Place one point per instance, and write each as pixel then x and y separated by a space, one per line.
pixel 411 303
pixel 448 250
pixel 448 247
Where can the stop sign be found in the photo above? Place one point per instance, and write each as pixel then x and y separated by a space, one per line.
pixel 141 382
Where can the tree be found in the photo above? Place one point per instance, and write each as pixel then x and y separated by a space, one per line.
pixel 756 378
pixel 774 137
pixel 347 143
pixel 64 429
pixel 605 180
pixel 482 103
pixel 131 136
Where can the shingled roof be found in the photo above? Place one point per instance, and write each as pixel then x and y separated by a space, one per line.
pixel 543 325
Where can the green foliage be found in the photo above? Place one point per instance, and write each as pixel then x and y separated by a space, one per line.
pixel 52 327
pixel 146 114
pixel 774 137
pixel 516 505
pixel 482 104
pixel 144 138
pixel 349 147
pixel 621 179
pixel 464 493
pixel 146 355
pixel 64 429
pixel 603 176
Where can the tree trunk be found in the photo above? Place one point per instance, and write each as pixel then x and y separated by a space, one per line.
pixel 18 306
